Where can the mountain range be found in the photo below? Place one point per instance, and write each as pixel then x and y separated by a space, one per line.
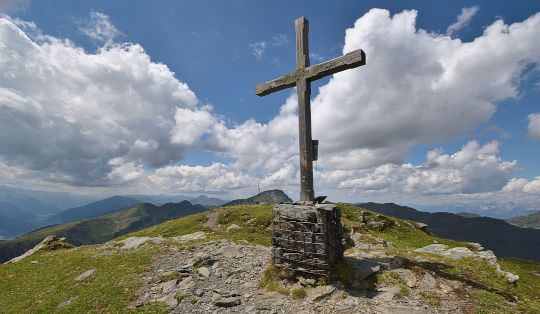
pixel 101 220
pixel 93 209
pixel 23 210
pixel 102 228
pixel 503 238
pixel 528 221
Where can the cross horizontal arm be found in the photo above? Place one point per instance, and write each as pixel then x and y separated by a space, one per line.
pixel 278 84
pixel 351 60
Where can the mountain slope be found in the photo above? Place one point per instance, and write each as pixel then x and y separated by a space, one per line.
pixel 91 210
pixel 528 221
pixel 494 234
pixel 269 197
pixel 15 220
pixel 169 275
pixel 55 201
pixel 468 215
pixel 24 199
pixel 163 199
pixel 100 229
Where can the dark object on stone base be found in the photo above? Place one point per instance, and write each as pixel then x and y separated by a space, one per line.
pixel 319 199
pixel 307 238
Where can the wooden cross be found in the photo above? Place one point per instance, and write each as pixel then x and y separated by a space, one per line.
pixel 301 78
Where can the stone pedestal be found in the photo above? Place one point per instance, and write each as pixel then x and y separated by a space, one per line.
pixel 307 238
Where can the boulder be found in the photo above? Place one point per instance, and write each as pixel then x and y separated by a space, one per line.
pixel 45 242
pixel 233 227
pixel 85 275
pixel 134 242
pixel 227 302
pixel 190 237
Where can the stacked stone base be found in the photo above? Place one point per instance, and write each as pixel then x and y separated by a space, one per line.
pixel 307 238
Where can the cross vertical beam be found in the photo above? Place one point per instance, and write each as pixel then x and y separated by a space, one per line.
pixel 302 77
pixel 303 88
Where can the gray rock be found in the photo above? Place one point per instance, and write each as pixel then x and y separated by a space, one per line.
pixel 190 237
pixel 388 293
pixel 458 252
pixel 487 256
pixel 364 267
pixel 233 227
pixel 227 302
pixel 476 246
pixel 427 283
pixel 297 212
pixel 85 275
pixel 407 276
pixel 169 300
pixel 310 282
pixel 511 278
pixel 169 286
pixel 320 292
pixel 432 248
pixel 48 240
pixel 134 242
pixel 203 271
pixel 186 284
pixel 67 302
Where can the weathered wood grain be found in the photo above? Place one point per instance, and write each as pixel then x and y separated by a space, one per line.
pixel 301 78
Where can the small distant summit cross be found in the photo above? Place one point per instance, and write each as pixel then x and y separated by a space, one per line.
pixel 301 78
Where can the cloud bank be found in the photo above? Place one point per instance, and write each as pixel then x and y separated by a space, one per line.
pixel 75 117
pixel 115 117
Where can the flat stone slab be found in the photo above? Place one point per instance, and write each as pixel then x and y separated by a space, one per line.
pixel 134 242
pixel 190 237
pixel 364 267
pixel 306 213
pixel 85 275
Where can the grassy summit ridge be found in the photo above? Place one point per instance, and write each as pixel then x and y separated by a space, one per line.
pixel 102 228
pixel 528 221
pixel 45 281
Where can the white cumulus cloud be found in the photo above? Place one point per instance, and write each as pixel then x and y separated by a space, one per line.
pixel 523 186
pixel 534 125
pixel 99 27
pixel 214 178
pixel 416 88
pixel 463 20
pixel 90 119
pixel 473 169
pixel 258 49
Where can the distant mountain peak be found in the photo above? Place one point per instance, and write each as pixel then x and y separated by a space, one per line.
pixel 270 196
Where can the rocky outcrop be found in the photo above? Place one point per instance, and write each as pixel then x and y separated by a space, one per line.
pixel 226 276
pixel 50 242
pixel 461 252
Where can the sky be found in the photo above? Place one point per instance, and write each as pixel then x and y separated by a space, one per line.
pixel 122 97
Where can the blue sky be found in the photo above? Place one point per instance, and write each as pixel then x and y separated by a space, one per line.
pixel 211 46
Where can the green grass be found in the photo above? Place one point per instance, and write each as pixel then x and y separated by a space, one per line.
pixel 173 228
pixel 400 233
pixel 169 276
pixel 273 277
pixel 257 232
pixel 298 293
pixel 393 279
pixel 433 297
pixel 41 287
pixel 343 272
